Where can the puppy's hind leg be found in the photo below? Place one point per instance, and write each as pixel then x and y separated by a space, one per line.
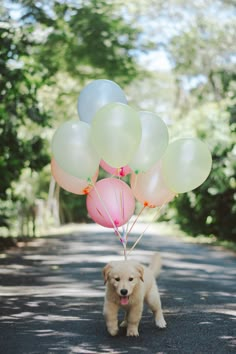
pixel 154 302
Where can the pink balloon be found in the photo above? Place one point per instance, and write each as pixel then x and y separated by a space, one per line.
pixel 111 202
pixel 70 183
pixel 149 187
pixel 119 172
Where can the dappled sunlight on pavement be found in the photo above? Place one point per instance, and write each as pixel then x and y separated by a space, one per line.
pixel 52 295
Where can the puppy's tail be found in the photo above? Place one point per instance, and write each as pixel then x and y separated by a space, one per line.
pixel 155 264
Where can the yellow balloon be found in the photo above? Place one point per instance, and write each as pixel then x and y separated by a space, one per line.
pixel 116 133
pixel 186 164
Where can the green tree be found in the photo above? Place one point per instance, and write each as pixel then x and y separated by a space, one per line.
pixel 85 39
pixel 211 208
pixel 199 40
pixel 20 111
pixel 39 41
pixel 204 59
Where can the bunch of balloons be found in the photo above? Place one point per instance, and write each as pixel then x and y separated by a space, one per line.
pixel 114 136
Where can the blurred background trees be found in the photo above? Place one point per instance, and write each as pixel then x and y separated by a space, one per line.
pixel 177 59
pixel 205 62
pixel 48 51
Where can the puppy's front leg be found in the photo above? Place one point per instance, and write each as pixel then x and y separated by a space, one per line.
pixel 110 312
pixel 133 319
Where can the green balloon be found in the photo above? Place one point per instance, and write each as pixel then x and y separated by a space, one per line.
pixel 73 149
pixel 116 133
pixel 186 164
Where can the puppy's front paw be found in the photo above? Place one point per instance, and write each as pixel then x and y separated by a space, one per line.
pixel 132 332
pixel 113 331
pixel 161 323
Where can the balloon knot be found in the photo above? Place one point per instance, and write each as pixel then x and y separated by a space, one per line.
pixel 86 190
pixel 116 222
pixel 146 204
pixel 122 172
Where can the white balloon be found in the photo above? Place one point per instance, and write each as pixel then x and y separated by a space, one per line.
pixel 154 141
pixel 97 94
pixel 73 149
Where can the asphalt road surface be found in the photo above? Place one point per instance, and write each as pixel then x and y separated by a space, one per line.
pixel 52 296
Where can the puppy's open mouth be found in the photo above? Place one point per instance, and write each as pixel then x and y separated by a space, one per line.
pixel 124 300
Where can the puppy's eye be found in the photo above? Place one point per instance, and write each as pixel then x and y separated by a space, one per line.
pixel 131 278
pixel 117 279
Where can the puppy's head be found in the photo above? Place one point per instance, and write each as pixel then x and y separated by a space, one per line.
pixel 123 277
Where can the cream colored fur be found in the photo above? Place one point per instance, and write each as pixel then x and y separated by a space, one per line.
pixel 128 285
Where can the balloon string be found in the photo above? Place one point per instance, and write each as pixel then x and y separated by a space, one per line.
pixel 108 214
pixel 125 250
pixel 136 219
pixel 139 238
pixel 154 218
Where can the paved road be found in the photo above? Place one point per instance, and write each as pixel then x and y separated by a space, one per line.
pixel 52 295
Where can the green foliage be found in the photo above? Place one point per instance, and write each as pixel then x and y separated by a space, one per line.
pixel 51 49
pixel 86 39
pixel 211 208
pixel 20 110
pixel 203 53
pixel 41 42
pixel 72 208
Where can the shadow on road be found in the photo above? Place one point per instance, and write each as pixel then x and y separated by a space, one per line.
pixel 52 297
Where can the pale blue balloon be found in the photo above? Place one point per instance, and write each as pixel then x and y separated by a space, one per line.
pixel 97 94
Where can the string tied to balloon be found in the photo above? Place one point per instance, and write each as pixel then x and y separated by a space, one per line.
pixel 156 215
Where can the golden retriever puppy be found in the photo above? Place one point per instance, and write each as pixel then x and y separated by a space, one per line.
pixel 128 285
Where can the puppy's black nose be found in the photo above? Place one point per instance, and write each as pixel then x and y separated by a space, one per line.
pixel 124 292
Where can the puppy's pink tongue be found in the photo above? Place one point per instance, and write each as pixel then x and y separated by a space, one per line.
pixel 124 300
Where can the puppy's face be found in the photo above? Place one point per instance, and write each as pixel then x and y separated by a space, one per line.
pixel 123 277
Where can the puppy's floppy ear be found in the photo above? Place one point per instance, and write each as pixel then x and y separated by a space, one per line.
pixel 140 271
pixel 106 271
